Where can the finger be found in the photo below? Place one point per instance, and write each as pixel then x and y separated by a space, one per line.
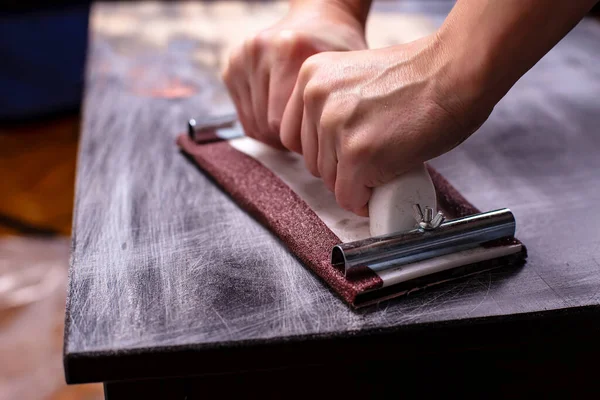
pixel 242 100
pixel 327 158
pixel 260 92
pixel 259 88
pixel 281 85
pixel 350 193
pixel 291 123
pixel 309 143
pixel 236 80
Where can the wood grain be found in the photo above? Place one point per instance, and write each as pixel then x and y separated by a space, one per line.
pixel 169 276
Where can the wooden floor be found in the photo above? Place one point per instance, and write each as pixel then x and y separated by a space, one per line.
pixel 37 171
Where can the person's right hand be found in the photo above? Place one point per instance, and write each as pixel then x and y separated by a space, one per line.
pixel 262 72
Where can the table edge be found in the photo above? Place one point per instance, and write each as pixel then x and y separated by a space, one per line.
pixel 480 333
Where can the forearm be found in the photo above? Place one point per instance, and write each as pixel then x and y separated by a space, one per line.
pixel 493 43
pixel 359 9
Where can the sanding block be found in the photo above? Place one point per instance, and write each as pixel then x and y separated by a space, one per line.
pixel 412 242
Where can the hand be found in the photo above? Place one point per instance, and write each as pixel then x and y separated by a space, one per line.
pixel 362 118
pixel 262 72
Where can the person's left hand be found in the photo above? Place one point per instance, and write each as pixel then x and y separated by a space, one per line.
pixel 361 118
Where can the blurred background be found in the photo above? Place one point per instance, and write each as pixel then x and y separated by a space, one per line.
pixel 42 63
pixel 42 52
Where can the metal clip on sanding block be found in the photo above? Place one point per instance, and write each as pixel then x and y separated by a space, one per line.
pixel 390 251
pixel 214 128
pixel 410 248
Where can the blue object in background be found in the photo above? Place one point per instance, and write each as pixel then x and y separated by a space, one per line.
pixel 42 61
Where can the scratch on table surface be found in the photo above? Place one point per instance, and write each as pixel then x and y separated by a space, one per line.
pixel 562 298
pixel 485 296
pixel 190 250
pixel 597 293
pixel 222 320
pixel 437 299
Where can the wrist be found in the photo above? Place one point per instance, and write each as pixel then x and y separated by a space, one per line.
pixel 433 62
pixel 353 12
pixel 491 45
pixel 468 80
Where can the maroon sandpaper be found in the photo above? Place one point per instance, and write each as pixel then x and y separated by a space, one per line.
pixel 273 203
pixel 268 199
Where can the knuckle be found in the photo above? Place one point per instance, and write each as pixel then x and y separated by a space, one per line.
pixel 311 64
pixel 261 40
pixel 251 52
pixel 355 151
pixel 330 121
pixel 304 74
pixel 293 45
pixel 274 124
pixel 309 67
pixel 287 40
pixel 314 91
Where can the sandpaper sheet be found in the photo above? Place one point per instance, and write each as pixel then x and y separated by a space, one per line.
pixel 292 214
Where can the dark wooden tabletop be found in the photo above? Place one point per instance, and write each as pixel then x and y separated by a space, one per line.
pixel 169 277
